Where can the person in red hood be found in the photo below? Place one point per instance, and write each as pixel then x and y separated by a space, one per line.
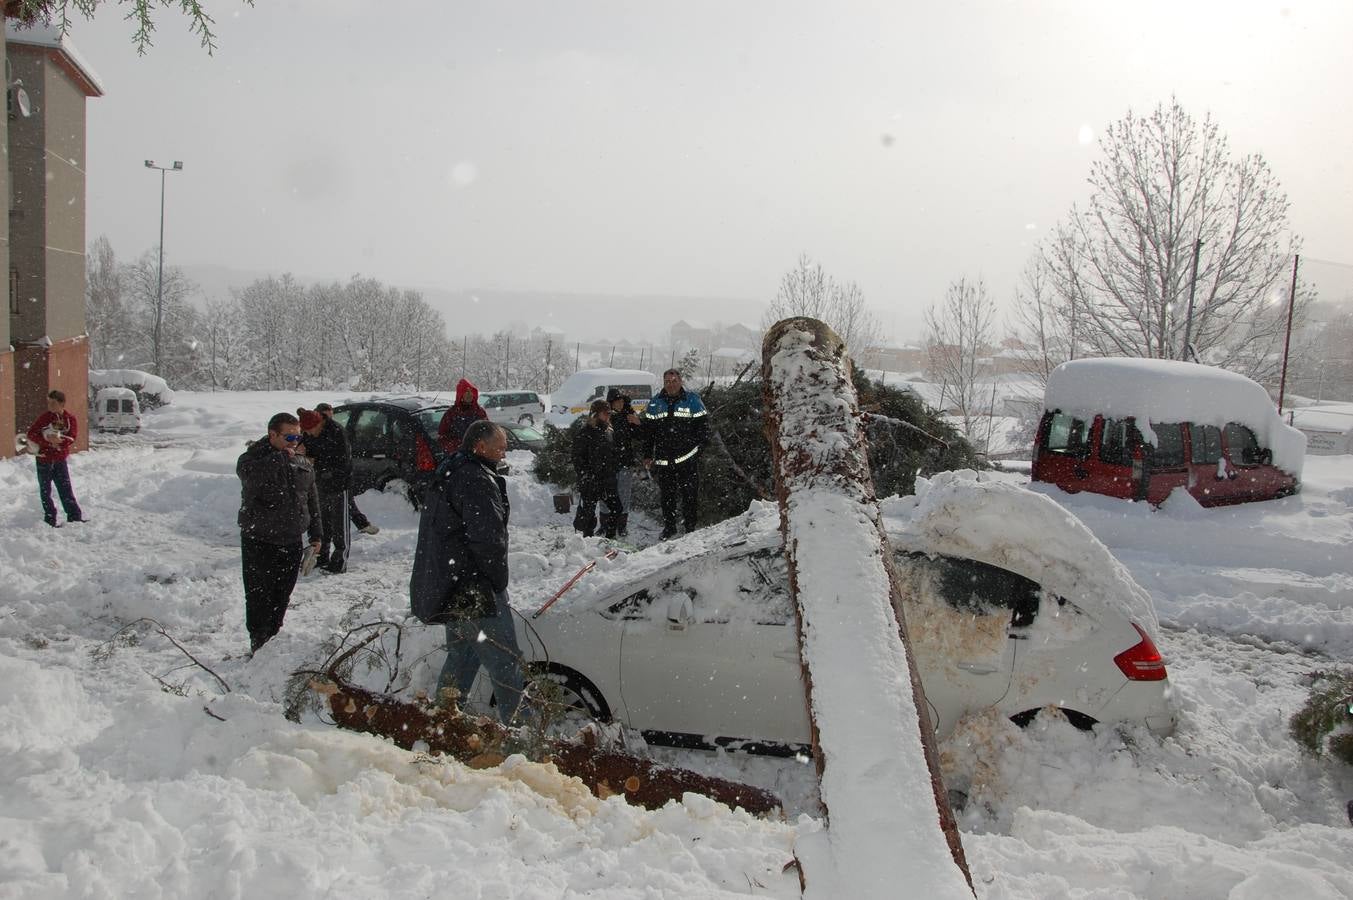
pixel 54 433
pixel 458 417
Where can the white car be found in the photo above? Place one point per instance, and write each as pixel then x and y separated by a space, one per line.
pixel 516 407
pixel 702 650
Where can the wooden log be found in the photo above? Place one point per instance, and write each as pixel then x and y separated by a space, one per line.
pixel 482 743
pixel 888 815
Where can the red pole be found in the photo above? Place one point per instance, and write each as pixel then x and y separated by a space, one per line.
pixel 1287 344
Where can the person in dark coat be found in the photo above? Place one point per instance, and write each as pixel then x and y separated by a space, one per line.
pixel 626 424
pixel 460 570
pixel 676 429
pixel 54 434
pixel 326 445
pixel 459 416
pixel 279 505
pixel 355 515
pixel 596 465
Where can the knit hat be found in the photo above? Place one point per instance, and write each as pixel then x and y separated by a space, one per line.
pixel 613 394
pixel 309 418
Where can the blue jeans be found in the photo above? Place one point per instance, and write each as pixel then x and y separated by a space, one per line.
pixel 57 473
pixel 498 653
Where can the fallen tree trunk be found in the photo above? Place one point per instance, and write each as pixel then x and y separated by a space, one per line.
pixel 889 826
pixel 481 743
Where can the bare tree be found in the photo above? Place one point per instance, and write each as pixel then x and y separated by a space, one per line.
pixel 223 343
pixel 1120 270
pixel 164 319
pixel 808 291
pixel 958 335
pixel 108 321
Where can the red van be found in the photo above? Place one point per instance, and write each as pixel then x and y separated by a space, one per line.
pixel 1212 432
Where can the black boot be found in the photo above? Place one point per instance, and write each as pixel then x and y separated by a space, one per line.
pixel 622 524
pixel 608 525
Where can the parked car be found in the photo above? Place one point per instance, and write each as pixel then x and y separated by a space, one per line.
pixel 1138 429
pixel 393 441
pixel 116 409
pixel 572 398
pixel 522 407
pixel 701 648
pixel 524 437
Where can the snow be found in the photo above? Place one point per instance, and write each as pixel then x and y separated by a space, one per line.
pixel 143 382
pixel 112 786
pixel 1164 390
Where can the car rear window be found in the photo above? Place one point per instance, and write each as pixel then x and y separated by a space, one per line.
pixel 431 418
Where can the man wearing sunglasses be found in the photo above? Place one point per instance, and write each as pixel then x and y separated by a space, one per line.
pixel 279 506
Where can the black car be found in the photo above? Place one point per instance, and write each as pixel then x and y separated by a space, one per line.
pixel 393 440
pixel 523 437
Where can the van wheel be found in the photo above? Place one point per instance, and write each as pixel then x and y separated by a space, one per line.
pixel 527 420
pixel 1080 721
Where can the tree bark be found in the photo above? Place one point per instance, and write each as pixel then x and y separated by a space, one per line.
pixel 481 743
pixel 872 739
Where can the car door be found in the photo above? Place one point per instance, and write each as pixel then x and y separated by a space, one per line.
pixel 963 618
pixel 709 653
pixel 372 448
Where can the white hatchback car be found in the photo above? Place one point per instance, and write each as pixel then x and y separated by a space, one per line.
pixel 519 407
pixel 701 648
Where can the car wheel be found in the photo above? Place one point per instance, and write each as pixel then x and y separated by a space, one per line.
pixel 528 420
pixel 572 700
pixel 1078 720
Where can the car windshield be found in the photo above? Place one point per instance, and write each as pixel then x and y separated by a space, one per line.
pixel 527 433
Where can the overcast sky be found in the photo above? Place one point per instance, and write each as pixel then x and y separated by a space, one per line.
pixel 690 148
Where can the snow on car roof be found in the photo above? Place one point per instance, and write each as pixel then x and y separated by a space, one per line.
pixel 953 514
pixel 1166 390
pixel 1010 526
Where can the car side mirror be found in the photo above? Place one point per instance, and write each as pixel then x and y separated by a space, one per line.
pixel 680 612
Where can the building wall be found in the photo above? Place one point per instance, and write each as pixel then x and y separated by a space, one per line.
pixel 7 421
pixel 47 227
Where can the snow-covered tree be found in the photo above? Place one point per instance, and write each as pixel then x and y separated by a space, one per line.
pixel 108 321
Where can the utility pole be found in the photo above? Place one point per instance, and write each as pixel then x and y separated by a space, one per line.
pixel 158 336
pixel 1287 343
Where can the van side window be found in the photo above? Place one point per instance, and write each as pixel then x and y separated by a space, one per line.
pixel 1067 435
pixel 1169 445
pixel 1206 443
pixel 1117 442
pixel 1242 446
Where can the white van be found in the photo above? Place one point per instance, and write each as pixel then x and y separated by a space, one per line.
pixel 516 407
pixel 116 409
pixel 573 397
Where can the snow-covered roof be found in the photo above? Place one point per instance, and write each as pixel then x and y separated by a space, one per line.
pixel 132 378
pixel 48 34
pixel 1332 417
pixel 1164 390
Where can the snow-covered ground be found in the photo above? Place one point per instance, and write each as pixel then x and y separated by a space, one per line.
pixel 118 777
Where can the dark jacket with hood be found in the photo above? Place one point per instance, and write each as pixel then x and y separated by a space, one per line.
pixel 462 535
pixel 278 498
pixel 458 417
pixel 627 437
pixel 595 460
pixel 331 456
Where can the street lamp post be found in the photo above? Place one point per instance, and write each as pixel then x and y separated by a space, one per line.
pixel 159 280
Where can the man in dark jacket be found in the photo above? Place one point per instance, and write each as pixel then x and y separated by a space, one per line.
pixel 594 463
pixel 626 424
pixel 460 568
pixel 278 506
pixel 676 428
pixel 459 416
pixel 355 515
pixel 326 446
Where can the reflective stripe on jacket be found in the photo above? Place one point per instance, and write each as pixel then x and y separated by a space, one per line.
pixel 674 428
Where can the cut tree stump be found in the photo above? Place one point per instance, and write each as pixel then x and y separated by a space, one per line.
pixel 890 831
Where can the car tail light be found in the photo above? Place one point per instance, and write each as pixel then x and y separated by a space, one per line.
pixel 423 459
pixel 1141 661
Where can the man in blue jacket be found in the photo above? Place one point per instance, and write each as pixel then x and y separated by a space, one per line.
pixel 675 430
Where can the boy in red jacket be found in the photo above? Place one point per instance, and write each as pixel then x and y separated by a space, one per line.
pixel 54 433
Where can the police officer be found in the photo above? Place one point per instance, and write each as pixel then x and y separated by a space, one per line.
pixel 675 429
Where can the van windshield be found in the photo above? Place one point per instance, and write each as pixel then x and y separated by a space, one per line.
pixel 1068 435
